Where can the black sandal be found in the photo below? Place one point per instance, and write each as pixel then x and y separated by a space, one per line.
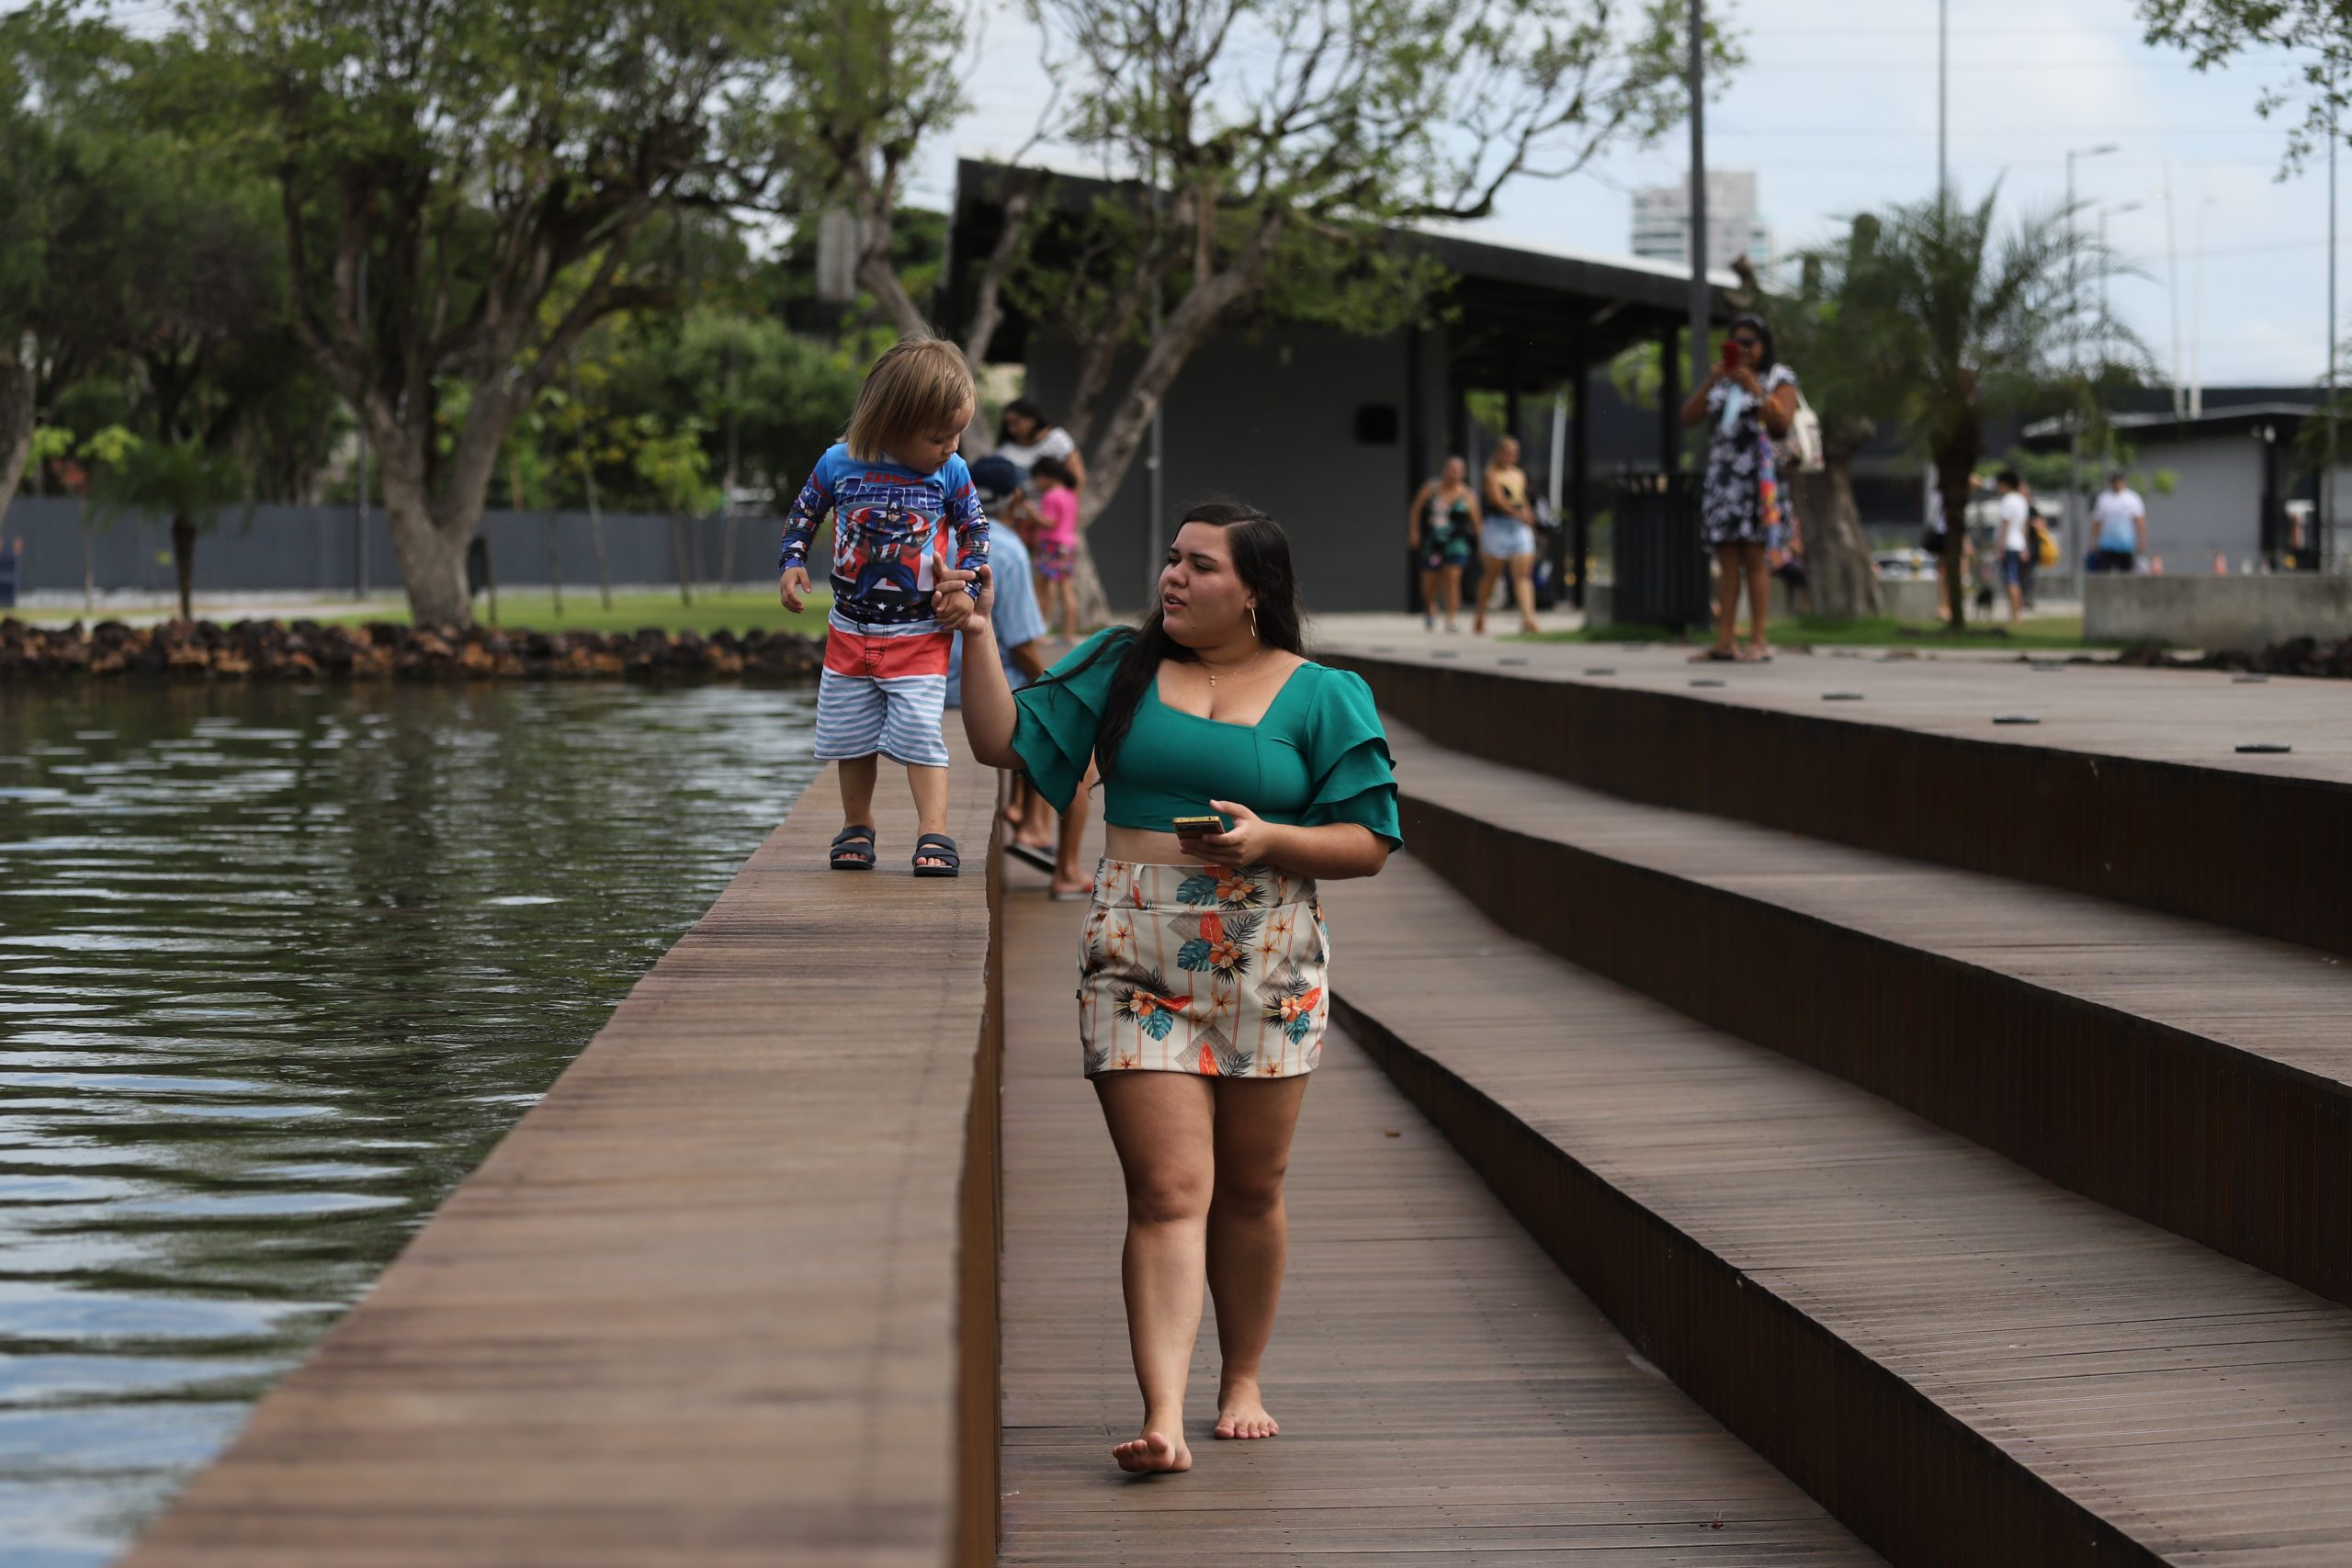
pixel 852 849
pixel 937 846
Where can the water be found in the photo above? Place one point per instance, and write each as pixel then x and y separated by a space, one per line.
pixel 277 967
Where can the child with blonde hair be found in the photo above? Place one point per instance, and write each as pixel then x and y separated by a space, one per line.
pixel 898 493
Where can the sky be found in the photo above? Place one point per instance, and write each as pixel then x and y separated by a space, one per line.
pixel 1837 115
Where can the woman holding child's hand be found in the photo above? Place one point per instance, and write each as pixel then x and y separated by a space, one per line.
pixel 1235 772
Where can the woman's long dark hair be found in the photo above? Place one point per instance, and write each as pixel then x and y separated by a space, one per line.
pixel 1261 558
pixel 1026 409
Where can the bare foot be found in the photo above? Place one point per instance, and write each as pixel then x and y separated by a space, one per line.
pixel 1241 1412
pixel 1153 1451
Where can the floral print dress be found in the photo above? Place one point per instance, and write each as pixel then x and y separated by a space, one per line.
pixel 1740 501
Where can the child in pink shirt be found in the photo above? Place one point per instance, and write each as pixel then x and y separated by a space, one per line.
pixel 1057 544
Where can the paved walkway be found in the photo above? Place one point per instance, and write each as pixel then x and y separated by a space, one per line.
pixel 1446 1395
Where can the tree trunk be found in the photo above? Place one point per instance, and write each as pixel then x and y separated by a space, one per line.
pixel 1185 329
pixel 1953 465
pixel 184 563
pixel 431 555
pixel 1837 571
pixel 16 400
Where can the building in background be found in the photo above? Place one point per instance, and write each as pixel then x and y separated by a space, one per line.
pixel 1662 221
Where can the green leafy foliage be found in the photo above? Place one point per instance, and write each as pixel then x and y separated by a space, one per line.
pixel 2312 37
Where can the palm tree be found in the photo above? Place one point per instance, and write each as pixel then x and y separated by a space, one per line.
pixel 179 480
pixel 1927 320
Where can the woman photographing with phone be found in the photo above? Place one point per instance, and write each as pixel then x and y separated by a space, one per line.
pixel 1750 407
pixel 1236 772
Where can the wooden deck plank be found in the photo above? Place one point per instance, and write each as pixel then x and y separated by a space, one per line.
pixel 2130 787
pixel 2100 708
pixel 698 1308
pixel 2189 1074
pixel 2155 1383
pixel 1446 1395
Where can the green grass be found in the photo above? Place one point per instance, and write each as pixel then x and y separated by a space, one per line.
pixel 1884 631
pixel 583 610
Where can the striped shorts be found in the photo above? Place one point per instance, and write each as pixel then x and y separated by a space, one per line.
pixel 883 689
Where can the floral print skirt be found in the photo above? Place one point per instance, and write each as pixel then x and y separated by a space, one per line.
pixel 1202 969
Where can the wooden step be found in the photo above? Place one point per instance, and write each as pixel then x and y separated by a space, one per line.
pixel 1965 1363
pixel 2192 1075
pixel 1446 1397
pixel 2130 788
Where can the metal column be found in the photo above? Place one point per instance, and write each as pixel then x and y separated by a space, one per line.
pixel 1579 468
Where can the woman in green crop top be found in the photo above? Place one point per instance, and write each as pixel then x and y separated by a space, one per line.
pixel 1203 987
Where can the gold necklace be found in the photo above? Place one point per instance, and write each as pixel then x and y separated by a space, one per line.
pixel 1251 663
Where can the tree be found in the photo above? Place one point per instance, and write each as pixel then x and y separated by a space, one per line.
pixel 674 463
pixel 1816 335
pixel 64 151
pixel 2315 34
pixel 181 480
pixel 873 82
pixel 443 167
pixel 1284 143
pixel 1927 318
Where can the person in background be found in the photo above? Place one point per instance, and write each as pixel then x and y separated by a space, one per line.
pixel 1442 529
pixel 1020 627
pixel 1505 537
pixel 2013 536
pixel 1023 434
pixel 2119 523
pixel 2033 536
pixel 1786 556
pixel 1748 400
pixel 1057 552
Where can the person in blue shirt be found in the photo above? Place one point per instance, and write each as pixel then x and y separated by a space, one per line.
pixel 899 495
pixel 1018 620
pixel 1019 636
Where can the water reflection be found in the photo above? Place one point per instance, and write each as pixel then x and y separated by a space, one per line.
pixel 277 967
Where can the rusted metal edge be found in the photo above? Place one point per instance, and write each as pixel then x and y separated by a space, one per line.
pixel 2248 1155
pixel 1917 1486
pixel 2262 853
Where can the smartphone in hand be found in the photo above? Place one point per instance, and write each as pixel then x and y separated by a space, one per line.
pixel 1197 827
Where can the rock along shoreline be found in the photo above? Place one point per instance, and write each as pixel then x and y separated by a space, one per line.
pixel 305 650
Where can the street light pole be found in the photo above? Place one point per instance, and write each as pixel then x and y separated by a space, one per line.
pixel 1700 313
pixel 2327 489
pixel 1943 44
pixel 2076 541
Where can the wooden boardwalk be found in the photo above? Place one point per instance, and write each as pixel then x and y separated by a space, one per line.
pixel 700 1308
pixel 1446 1395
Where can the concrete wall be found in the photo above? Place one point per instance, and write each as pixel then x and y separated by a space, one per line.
pixel 1268 417
pixel 2216 612
pixel 297 549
